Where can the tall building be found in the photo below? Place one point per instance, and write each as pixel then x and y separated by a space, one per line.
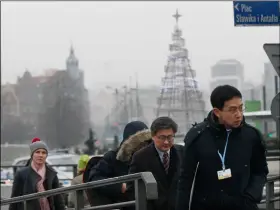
pixel 20 106
pixel 27 93
pixel 41 105
pixel 180 97
pixel 72 65
pixel 9 101
pixel 230 72
pixel 30 96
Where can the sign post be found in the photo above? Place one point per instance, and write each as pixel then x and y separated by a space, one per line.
pixel 273 53
pixel 256 13
pixel 275 112
pixel 275 108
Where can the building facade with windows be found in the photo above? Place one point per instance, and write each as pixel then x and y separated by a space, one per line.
pixel 229 72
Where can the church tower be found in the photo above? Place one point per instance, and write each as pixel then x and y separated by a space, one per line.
pixel 72 65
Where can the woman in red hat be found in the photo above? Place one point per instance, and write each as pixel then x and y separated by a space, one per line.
pixel 37 177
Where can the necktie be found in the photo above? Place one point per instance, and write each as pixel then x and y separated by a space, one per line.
pixel 165 162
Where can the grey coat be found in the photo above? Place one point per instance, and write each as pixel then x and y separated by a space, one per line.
pixel 25 182
pixel 72 195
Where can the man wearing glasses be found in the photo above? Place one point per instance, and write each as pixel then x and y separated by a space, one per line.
pixel 162 159
pixel 224 165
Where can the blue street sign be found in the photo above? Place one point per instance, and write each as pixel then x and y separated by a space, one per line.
pixel 256 13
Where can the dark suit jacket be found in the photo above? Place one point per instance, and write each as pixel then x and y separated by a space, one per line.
pixel 147 159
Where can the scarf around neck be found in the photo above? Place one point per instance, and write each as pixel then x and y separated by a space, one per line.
pixel 44 203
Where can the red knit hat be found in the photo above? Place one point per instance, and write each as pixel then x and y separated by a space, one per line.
pixel 35 139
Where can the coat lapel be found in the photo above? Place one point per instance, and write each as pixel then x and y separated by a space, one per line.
pixel 156 166
pixel 175 161
pixel 50 175
pixel 33 179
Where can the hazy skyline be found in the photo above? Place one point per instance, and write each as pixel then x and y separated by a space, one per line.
pixel 113 40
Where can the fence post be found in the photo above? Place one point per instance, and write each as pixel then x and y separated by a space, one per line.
pixel 269 195
pixel 25 205
pixel 140 195
pixel 75 171
pixel 79 201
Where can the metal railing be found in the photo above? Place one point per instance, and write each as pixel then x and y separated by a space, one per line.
pixel 269 199
pixel 145 187
pixel 271 196
pixel 272 158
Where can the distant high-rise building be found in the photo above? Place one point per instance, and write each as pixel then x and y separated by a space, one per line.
pixel 230 72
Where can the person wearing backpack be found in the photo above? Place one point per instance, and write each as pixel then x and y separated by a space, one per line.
pixel 78 180
pixel 116 163
pixel 224 165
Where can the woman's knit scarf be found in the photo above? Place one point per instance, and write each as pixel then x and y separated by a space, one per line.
pixel 44 203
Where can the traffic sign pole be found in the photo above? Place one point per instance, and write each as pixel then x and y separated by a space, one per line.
pixel 275 112
pixel 275 108
pixel 273 53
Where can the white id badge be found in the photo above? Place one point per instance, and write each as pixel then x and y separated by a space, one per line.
pixel 224 174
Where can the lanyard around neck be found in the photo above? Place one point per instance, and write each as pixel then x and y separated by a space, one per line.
pixel 225 150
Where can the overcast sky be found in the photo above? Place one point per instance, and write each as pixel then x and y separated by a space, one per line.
pixel 113 40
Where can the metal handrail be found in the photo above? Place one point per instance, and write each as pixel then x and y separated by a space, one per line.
pixel 272 158
pixel 273 178
pixel 271 197
pixel 145 189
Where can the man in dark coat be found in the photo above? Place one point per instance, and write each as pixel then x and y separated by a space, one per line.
pixel 163 160
pixel 116 163
pixel 224 165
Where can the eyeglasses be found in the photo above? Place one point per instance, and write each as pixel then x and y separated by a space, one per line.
pixel 234 110
pixel 168 138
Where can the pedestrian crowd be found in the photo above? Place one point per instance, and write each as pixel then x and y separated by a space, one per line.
pixel 222 165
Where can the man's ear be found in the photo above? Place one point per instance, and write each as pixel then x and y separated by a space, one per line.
pixel 216 112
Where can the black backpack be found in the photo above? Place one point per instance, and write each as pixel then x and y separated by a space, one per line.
pixel 94 198
pixel 91 163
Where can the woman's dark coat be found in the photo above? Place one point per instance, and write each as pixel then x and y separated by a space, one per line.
pixel 25 182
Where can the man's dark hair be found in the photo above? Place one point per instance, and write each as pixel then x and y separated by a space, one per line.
pixel 223 93
pixel 163 123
